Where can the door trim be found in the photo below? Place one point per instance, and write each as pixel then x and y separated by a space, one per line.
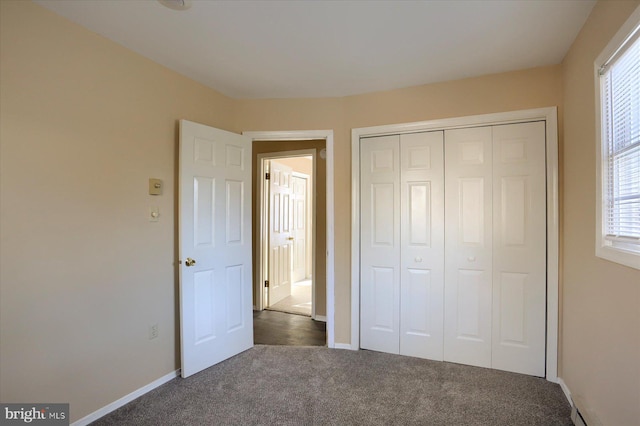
pixel 550 116
pixel 327 135
pixel 262 227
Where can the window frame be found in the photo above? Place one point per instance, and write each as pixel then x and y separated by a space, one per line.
pixel 611 249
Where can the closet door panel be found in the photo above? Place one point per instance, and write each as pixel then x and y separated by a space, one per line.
pixel 422 245
pixel 468 246
pixel 380 244
pixel 519 238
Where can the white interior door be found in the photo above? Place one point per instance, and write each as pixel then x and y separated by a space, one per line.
pixel 468 246
pixel 519 248
pixel 216 319
pixel 422 245
pixel 280 237
pixel 380 244
pixel 299 226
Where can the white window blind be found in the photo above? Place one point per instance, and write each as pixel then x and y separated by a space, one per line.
pixel 621 146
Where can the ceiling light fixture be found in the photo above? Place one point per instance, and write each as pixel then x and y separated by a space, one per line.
pixel 176 4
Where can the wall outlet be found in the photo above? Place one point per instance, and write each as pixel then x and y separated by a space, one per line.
pixel 153 331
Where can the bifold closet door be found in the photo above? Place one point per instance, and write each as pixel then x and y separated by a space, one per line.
pixel 422 245
pixel 380 244
pixel 468 246
pixel 402 244
pixel 453 246
pixel 495 288
pixel 519 248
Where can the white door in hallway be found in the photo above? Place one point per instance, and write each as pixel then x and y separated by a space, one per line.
pixel 280 232
pixel 299 204
pixel 216 319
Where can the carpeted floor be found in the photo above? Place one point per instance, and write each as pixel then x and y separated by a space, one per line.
pixel 286 385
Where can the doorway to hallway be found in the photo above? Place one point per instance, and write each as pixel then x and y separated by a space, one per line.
pixel 290 227
pixel 290 240
pixel 287 215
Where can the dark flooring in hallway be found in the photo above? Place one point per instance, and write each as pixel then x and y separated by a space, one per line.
pixel 279 328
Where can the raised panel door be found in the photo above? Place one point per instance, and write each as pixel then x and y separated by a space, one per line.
pixel 468 246
pixel 519 246
pixel 380 244
pixel 280 236
pixel 215 230
pixel 422 245
pixel 299 227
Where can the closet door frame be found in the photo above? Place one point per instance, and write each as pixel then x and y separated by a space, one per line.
pixel 550 117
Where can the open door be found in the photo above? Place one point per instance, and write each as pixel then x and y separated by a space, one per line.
pixel 216 319
pixel 299 227
pixel 280 237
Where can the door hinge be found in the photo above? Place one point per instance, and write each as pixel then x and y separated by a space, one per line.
pixel 267 176
pixel 266 283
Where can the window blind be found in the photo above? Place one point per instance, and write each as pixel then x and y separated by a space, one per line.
pixel 621 133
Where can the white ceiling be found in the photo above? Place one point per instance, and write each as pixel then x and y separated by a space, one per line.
pixel 293 49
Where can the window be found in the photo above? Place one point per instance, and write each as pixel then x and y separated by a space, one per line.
pixel 618 234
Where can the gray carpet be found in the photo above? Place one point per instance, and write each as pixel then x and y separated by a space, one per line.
pixel 287 385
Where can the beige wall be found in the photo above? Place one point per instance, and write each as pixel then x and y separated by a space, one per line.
pixel 320 274
pixel 601 303
pixel 84 124
pixel 299 164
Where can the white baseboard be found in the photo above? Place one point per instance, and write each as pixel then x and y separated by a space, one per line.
pixel 321 318
pixel 565 389
pixel 344 346
pixel 125 399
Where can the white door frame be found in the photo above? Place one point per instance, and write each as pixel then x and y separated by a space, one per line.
pixel 327 135
pixel 262 227
pixel 550 116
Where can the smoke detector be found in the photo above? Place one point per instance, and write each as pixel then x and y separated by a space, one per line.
pixel 176 4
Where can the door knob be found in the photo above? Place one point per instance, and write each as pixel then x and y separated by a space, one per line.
pixel 190 262
pixel 290 238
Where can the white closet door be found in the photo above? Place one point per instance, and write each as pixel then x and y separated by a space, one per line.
pixel 422 245
pixel 468 246
pixel 380 242
pixel 519 245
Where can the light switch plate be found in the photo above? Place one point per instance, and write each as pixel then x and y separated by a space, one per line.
pixel 155 186
pixel 154 214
